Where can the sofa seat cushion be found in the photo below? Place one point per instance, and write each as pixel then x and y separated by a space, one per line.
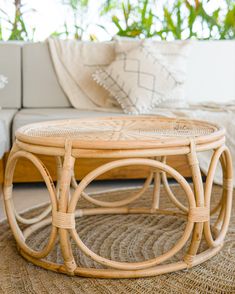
pixel 6 118
pixel 32 115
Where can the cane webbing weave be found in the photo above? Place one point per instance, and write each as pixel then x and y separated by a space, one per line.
pixel 120 129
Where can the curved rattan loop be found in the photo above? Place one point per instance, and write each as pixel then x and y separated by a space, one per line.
pixel 222 222
pixel 33 220
pixel 9 205
pixel 121 163
pixel 120 202
pixel 170 194
pixel 173 198
pixel 217 207
pixel 125 162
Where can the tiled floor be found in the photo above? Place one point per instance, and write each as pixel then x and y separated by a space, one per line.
pixel 29 195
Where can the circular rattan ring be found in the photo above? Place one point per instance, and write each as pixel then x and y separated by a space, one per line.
pixel 128 162
pixel 10 210
pixel 224 215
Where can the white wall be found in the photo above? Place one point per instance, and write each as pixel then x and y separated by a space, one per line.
pixel 211 71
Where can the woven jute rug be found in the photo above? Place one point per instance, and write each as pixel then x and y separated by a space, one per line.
pixel 125 238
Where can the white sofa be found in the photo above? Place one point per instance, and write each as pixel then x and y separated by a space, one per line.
pixel 33 93
pixel 11 95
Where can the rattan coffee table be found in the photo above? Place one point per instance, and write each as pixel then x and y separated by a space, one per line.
pixel 130 141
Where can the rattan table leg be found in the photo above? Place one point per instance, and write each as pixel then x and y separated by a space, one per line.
pixel 156 188
pixel 64 192
pixel 199 197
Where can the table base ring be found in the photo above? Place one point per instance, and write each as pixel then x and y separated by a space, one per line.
pixel 122 274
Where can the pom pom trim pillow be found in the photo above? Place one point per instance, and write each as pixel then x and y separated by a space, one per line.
pixel 175 52
pixel 140 79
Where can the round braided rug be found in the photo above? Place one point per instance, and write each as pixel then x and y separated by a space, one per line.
pixel 120 237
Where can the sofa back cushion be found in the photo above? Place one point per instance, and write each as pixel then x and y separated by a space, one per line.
pixel 40 85
pixel 210 77
pixel 10 67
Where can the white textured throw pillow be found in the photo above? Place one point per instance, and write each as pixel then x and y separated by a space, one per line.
pixel 176 54
pixel 141 79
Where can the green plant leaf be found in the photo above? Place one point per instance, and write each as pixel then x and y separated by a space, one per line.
pixel 144 9
pixel 116 20
pixel 169 21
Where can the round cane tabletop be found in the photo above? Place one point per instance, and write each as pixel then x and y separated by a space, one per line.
pixel 131 132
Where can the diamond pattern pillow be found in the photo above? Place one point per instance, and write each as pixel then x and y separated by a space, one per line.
pixel 175 52
pixel 140 79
